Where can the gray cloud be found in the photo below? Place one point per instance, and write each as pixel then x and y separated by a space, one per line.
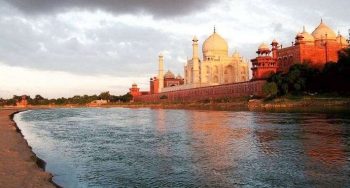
pixel 69 36
pixel 315 9
pixel 158 8
pixel 119 49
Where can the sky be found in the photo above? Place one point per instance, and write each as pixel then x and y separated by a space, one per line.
pixel 75 47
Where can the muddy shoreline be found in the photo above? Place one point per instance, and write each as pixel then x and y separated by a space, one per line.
pixel 20 167
pixel 40 162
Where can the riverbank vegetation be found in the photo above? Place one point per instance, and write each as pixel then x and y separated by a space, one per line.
pixel 75 100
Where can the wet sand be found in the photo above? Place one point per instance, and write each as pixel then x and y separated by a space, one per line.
pixel 19 166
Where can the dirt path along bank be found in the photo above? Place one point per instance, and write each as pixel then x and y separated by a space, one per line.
pixel 19 166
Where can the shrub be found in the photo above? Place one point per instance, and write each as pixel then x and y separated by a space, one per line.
pixel 270 89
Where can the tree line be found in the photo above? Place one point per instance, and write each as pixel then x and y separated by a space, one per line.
pixel 77 99
pixel 301 79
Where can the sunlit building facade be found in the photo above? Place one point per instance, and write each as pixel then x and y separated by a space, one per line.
pixel 316 49
pixel 216 66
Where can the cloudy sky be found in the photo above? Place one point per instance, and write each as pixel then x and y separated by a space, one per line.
pixel 67 47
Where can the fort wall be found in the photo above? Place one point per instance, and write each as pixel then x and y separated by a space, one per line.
pixel 232 90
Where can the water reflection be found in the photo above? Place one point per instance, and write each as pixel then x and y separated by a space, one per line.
pixel 325 148
pixel 264 137
pixel 310 146
pixel 324 141
pixel 163 149
pixel 218 145
pixel 183 148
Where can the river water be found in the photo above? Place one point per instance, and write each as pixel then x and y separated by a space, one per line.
pixel 120 147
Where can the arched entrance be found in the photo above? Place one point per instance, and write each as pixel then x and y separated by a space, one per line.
pixel 228 74
pixel 215 79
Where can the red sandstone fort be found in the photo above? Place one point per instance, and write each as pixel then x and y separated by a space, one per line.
pixel 315 49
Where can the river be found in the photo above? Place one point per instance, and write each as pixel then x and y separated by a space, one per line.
pixel 121 147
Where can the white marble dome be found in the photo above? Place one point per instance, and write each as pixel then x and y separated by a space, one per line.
pixel 214 45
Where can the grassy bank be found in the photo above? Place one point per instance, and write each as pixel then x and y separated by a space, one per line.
pixel 285 103
pixel 301 103
pixel 218 104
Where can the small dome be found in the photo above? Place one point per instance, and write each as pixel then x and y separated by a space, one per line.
pixel 305 36
pixel 215 44
pixel 178 77
pixel 134 85
pixel 342 40
pixel 169 74
pixel 195 39
pixel 236 54
pixel 322 30
pixel 263 47
pixel 274 41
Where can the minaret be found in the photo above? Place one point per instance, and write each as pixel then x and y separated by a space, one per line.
pixel 274 45
pixel 161 73
pixel 195 60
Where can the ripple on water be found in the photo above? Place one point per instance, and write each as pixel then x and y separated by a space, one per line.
pixel 120 147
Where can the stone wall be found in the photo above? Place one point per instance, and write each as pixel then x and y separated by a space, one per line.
pixel 211 92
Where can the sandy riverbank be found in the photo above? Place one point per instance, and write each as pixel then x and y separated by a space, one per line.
pixel 19 166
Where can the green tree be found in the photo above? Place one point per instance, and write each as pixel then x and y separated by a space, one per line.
pixel 38 100
pixel 270 89
pixel 11 102
pixel 126 98
pixel 300 78
pixel 344 57
pixel 61 101
pixel 105 96
pixel 38 97
pixel 16 97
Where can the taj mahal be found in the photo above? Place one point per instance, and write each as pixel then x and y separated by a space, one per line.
pixel 216 67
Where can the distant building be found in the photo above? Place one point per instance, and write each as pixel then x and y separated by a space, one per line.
pixel 135 91
pixel 169 80
pixel 316 49
pixel 264 65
